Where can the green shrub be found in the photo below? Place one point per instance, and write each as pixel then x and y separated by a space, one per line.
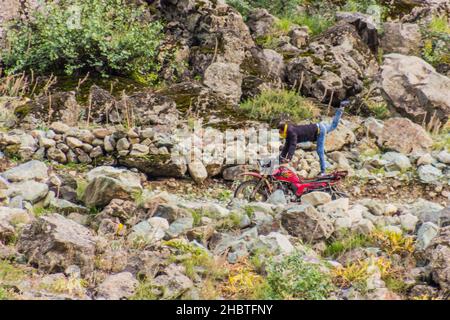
pixel 317 23
pixel 271 105
pixel 347 243
pixel 111 37
pixel 378 109
pixel 293 278
pixel 436 50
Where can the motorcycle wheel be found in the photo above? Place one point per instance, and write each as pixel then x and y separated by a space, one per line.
pixel 245 190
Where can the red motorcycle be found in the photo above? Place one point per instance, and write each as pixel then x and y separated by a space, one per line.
pixel 271 177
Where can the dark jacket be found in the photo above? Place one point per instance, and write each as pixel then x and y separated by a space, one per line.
pixel 297 134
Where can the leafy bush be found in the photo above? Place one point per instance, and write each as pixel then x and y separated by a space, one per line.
pixel 272 105
pixel 110 37
pixel 347 243
pixel 317 23
pixel 436 50
pixel 378 109
pixel 293 278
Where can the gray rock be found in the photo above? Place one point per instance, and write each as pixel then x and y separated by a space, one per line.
pixel 56 155
pixel 396 161
pixel 32 170
pixel 180 226
pixel 107 183
pixel 427 211
pixel 197 171
pixel 316 198
pixel 123 144
pixel 408 221
pixel 173 283
pixel 274 242
pixel 117 287
pixel 53 242
pixel 31 191
pixel 74 142
pixel 277 198
pixel 414 87
pixel 444 157
pixel 59 127
pixel 149 231
pixel 427 232
pixel 429 174
pixel 306 222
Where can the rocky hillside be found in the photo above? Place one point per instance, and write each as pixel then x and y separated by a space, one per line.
pixel 94 204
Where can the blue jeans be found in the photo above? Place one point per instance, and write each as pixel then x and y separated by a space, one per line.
pixel 324 129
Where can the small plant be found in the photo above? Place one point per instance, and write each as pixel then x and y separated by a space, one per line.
pixel 243 282
pixel 225 195
pixel 437 35
pixel 231 222
pixel 316 23
pixel 355 274
pixel 191 256
pixel 293 278
pixel 347 243
pixel 39 210
pixel 439 24
pixel 272 105
pixel 72 286
pixel 393 242
pixel 145 291
pixel 379 109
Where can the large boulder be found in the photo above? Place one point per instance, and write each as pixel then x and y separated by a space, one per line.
pixel 33 169
pixel 264 69
pixel 338 138
pixel 225 80
pixel 145 109
pixel 306 222
pixel 400 134
pixel 403 38
pixel 334 65
pixel 365 25
pixel 107 183
pixel 261 22
pixel 157 165
pixel 65 108
pixel 54 243
pixel 414 88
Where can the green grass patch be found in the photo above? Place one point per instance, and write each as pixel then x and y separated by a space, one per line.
pixel 272 105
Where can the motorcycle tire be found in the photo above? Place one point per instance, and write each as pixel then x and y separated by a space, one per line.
pixel 245 190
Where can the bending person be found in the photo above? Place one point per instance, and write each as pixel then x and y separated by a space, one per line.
pixel 316 132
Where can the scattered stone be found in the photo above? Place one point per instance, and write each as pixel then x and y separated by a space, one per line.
pixel 197 171
pixel 277 198
pixel 427 232
pixel 31 170
pixel 429 174
pixel 306 222
pixel 116 287
pixel 316 198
